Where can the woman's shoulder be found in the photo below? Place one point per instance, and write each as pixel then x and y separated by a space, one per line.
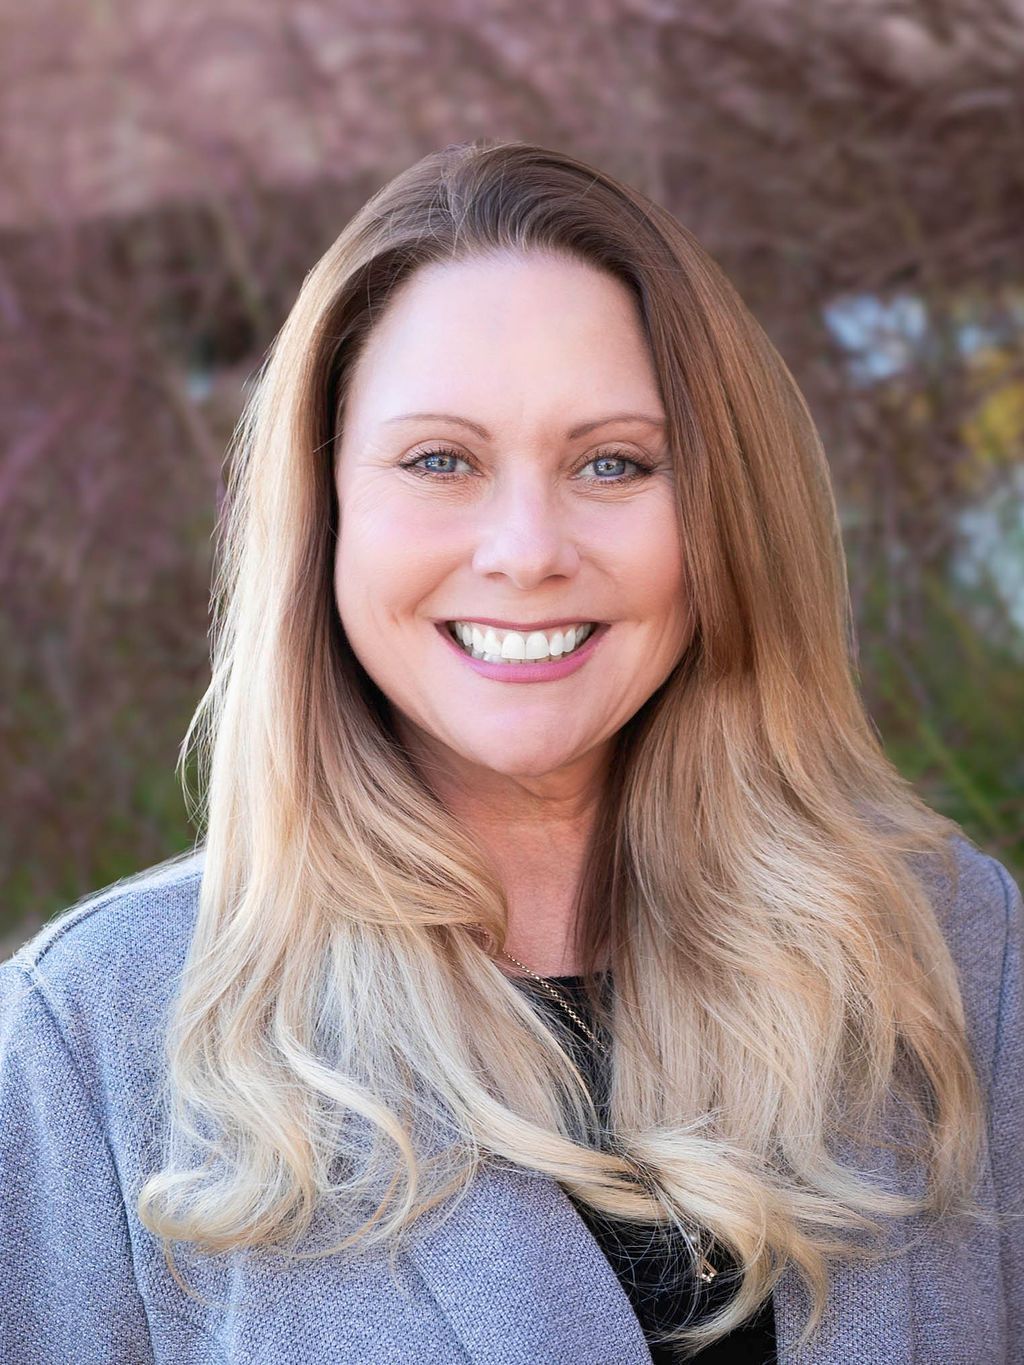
pixel 979 909
pixel 977 903
pixel 172 882
pixel 102 971
pixel 970 889
pixel 142 921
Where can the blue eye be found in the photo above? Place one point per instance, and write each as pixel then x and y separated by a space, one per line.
pixel 417 466
pixel 442 453
pixel 618 459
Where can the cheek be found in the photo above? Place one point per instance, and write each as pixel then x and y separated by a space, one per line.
pixel 668 574
pixel 663 597
pixel 650 560
pixel 388 556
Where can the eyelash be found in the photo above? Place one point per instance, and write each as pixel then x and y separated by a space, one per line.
pixel 643 470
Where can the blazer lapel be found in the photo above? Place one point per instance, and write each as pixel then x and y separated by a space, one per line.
pixel 521 1278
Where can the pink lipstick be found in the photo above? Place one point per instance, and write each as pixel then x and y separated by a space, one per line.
pixel 551 671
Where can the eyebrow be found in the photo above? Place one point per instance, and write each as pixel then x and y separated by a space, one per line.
pixel 572 434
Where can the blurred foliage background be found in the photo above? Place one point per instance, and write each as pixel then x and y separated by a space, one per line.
pixel 171 171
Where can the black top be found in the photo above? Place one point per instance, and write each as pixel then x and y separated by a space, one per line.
pixel 652 1263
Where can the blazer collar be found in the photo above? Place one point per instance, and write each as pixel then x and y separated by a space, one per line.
pixel 521 1279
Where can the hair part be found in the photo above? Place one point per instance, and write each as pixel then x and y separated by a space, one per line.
pixel 344 1039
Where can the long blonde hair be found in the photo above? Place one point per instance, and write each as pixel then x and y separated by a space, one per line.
pixel 344 1036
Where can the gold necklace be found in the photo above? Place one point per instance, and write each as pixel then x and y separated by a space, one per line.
pixel 559 999
pixel 707 1271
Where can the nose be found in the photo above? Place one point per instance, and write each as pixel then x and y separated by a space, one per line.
pixel 525 534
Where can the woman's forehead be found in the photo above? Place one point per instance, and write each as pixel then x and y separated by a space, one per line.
pixel 506 351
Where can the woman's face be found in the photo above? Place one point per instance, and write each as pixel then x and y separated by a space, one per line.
pixel 522 388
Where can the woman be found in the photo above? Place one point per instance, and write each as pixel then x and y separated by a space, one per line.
pixel 565 974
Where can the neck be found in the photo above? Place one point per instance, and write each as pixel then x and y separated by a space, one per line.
pixel 536 831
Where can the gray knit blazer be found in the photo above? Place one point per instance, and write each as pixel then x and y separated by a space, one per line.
pixel 512 1277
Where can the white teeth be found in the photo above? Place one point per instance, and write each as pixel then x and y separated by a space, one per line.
pixel 536 645
pixel 513 646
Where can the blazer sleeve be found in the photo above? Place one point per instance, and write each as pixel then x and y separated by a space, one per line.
pixel 67 1286
pixel 1007 1109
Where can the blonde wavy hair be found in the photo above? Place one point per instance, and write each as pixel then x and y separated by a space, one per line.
pixel 344 1036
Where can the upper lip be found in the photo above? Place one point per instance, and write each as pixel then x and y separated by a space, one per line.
pixel 517 625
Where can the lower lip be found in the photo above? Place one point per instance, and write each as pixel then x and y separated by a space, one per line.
pixel 528 673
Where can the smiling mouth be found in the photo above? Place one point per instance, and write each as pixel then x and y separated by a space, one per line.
pixel 520 647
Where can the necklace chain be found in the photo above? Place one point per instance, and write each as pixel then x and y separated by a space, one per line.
pixel 557 996
pixel 707 1271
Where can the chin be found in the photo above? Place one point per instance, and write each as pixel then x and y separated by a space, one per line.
pixel 537 761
